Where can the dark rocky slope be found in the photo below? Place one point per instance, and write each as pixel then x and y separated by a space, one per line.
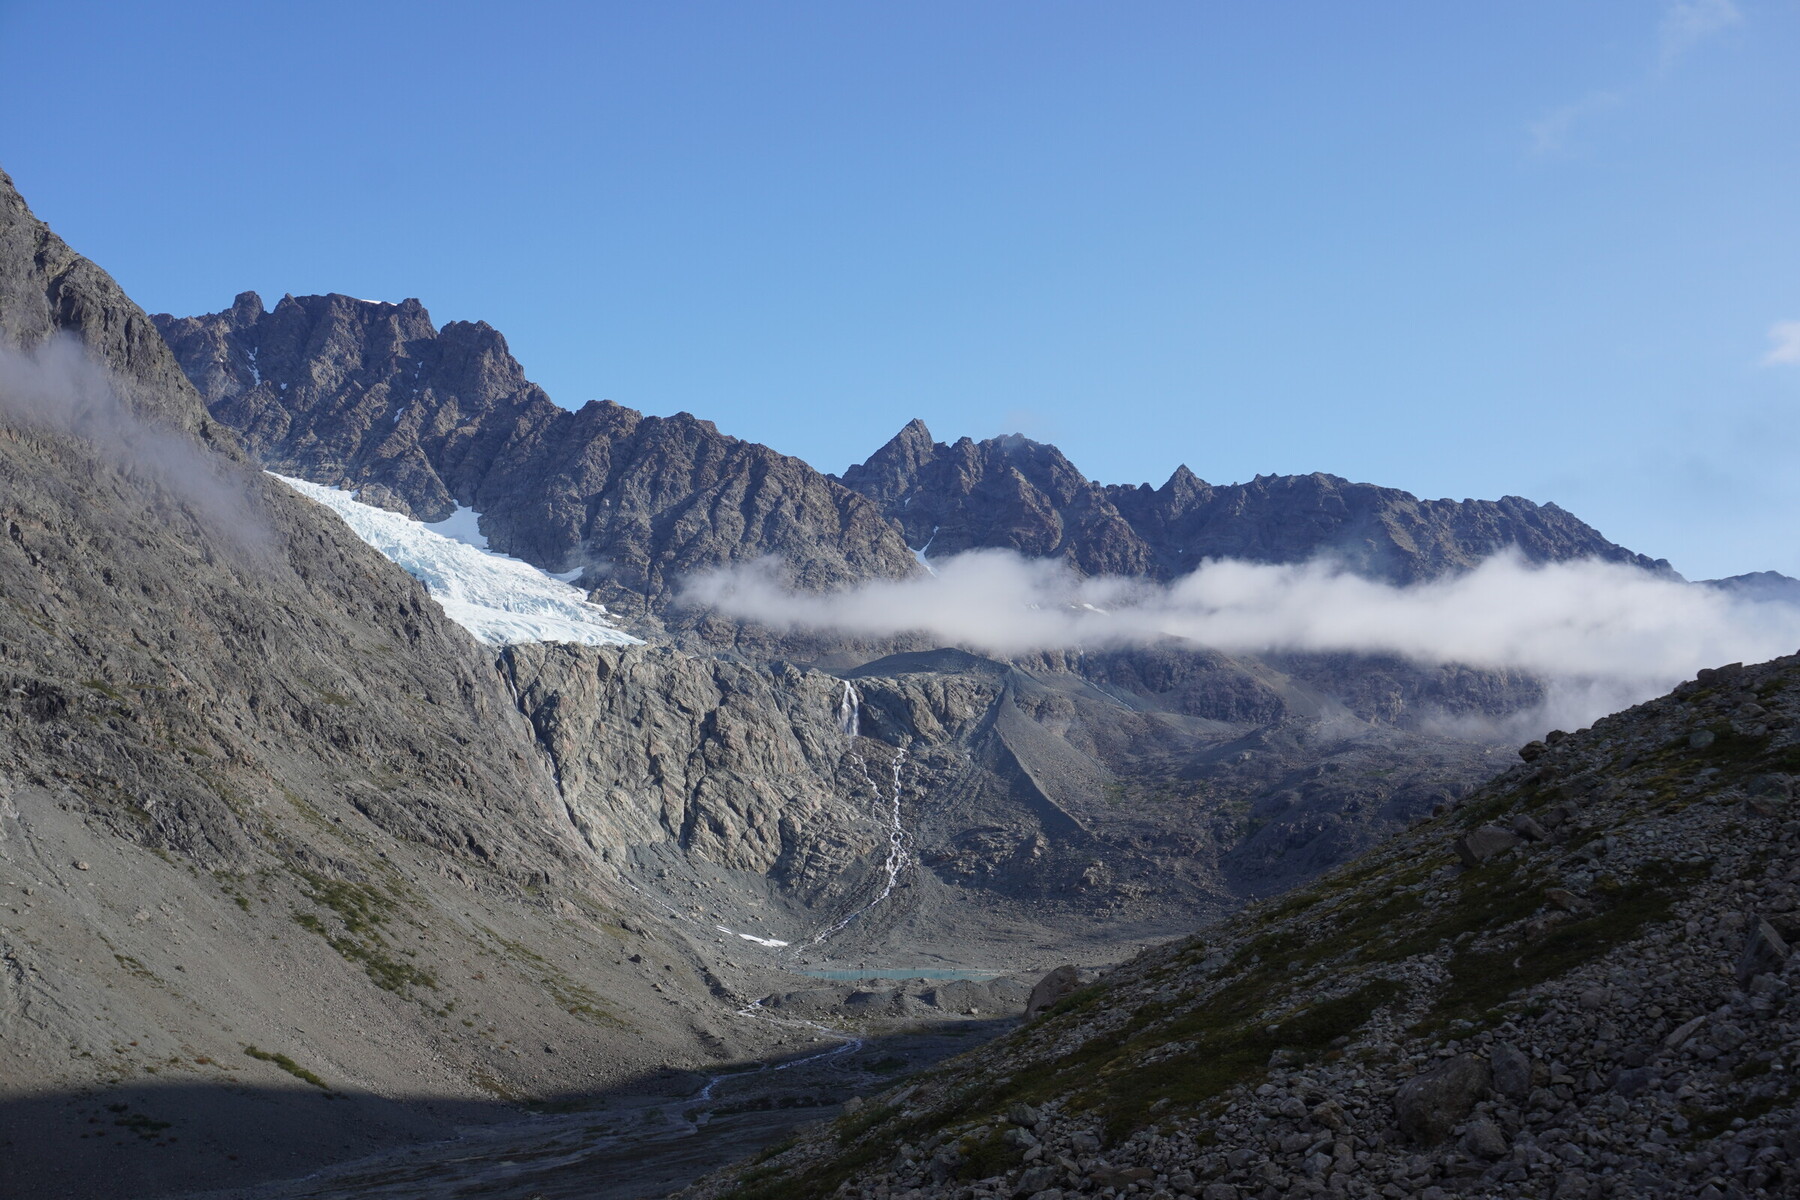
pixel 1016 494
pixel 373 396
pixel 1578 983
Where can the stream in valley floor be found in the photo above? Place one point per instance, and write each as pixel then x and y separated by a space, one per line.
pixel 629 1146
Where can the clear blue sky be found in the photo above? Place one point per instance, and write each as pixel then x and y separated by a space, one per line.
pixel 1536 248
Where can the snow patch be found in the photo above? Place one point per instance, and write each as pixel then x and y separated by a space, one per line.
pixel 772 943
pixel 463 525
pixel 501 600
pixel 919 554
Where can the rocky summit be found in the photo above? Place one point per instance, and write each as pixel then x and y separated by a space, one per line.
pixel 1580 982
pixel 374 396
pixel 1016 494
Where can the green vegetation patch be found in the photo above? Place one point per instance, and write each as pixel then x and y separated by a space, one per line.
pixel 104 688
pixel 144 1126
pixel 1480 980
pixel 361 909
pixel 576 999
pixel 1230 1048
pixel 289 1065
pixel 988 1154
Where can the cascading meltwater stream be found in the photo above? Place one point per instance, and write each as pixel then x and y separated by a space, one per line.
pixel 850 711
pixel 850 723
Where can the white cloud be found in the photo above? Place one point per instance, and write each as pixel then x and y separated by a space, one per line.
pixel 1605 635
pixel 57 387
pixel 1784 344
pixel 1687 23
pixel 1551 133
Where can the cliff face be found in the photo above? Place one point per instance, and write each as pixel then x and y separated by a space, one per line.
pixel 1017 494
pixel 373 396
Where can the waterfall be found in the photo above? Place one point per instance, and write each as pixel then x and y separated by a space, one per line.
pixel 896 839
pixel 850 712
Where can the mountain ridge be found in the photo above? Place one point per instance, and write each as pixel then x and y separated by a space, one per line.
pixel 1013 493
pixel 372 396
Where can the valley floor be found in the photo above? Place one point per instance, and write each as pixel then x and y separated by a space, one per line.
pixel 641 1139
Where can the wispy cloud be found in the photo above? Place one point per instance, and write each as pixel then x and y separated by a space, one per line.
pixel 57 388
pixel 1687 23
pixel 1610 633
pixel 1784 344
pixel 1551 133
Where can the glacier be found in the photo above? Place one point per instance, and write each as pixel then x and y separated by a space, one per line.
pixel 500 599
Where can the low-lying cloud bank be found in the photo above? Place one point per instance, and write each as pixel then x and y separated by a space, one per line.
pixel 1603 635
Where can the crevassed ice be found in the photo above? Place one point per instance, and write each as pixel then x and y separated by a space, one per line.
pixel 499 599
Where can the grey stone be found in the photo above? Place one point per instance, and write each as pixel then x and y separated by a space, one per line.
pixel 1772 787
pixel 1429 1105
pixel 1052 987
pixel 1529 829
pixel 1484 1139
pixel 1765 951
pixel 1478 846
pixel 1512 1071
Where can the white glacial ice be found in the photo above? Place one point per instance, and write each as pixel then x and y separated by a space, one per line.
pixel 501 600
pixel 463 525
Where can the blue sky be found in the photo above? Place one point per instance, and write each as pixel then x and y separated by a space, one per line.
pixel 1543 249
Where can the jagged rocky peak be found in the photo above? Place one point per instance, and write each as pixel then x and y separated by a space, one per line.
pixel 358 393
pixel 47 289
pixel 1006 492
pixel 1011 492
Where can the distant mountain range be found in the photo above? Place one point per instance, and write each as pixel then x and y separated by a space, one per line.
pixel 374 396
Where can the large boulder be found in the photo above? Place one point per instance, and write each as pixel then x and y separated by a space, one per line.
pixel 1429 1106
pixel 1051 988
